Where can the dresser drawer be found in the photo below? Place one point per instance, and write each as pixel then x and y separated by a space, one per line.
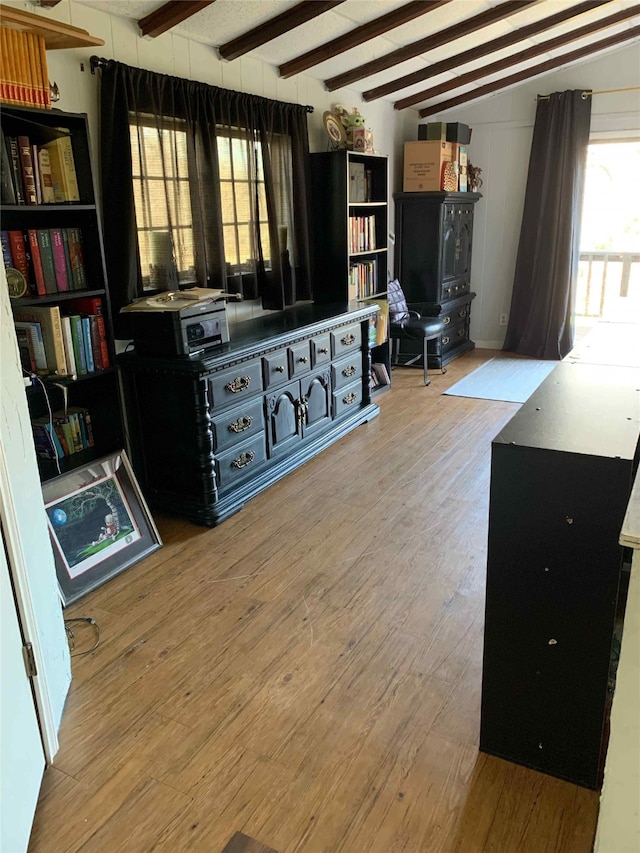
pixel 299 359
pixel 275 368
pixel 320 350
pixel 455 315
pixel 346 370
pixel 455 335
pixel 345 339
pixel 241 461
pixel 237 424
pixel 451 291
pixel 347 399
pixel 233 385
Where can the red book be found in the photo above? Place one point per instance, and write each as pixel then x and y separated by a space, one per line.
pixel 101 351
pixel 59 261
pixel 19 253
pixel 84 305
pixel 26 167
pixel 36 260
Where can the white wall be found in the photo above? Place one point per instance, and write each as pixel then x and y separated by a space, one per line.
pixel 500 144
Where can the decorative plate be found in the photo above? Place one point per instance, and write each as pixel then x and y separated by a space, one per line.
pixel 334 128
pixel 17 283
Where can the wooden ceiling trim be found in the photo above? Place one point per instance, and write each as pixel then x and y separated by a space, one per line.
pixel 549 65
pixel 416 48
pixel 359 35
pixel 481 50
pixel 277 26
pixel 523 56
pixel 48 4
pixel 169 15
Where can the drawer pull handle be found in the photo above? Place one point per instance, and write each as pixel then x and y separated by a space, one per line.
pixel 445 340
pixel 350 398
pixel 240 383
pixel 461 333
pixel 241 424
pixel 349 371
pixel 462 314
pixel 243 460
pixel 323 351
pixel 279 369
pixel 446 320
pixel 347 340
pixel 303 359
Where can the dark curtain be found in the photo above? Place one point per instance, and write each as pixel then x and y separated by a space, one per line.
pixel 154 124
pixel 541 317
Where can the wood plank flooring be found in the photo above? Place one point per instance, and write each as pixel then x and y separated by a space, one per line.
pixel 308 673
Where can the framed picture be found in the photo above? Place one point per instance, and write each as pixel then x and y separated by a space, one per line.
pixel 99 524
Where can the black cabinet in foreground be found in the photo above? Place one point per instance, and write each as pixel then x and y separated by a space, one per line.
pixel 561 477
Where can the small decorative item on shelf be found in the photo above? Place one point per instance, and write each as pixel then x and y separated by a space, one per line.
pixel 359 138
pixel 335 130
pixel 474 179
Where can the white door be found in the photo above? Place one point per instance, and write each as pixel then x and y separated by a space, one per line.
pixel 21 750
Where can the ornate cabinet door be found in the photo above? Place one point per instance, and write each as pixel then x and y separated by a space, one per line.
pixel 316 399
pixel 284 419
pixel 464 230
pixel 449 245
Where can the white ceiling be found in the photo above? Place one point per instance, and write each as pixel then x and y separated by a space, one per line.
pixel 225 20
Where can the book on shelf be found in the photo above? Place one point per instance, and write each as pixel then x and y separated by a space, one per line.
pixel 78 344
pixel 68 345
pixel 63 170
pixel 46 440
pixel 59 260
pixel 381 373
pixel 33 331
pixel 51 259
pixel 24 77
pixel 88 346
pixel 7 260
pixel 25 350
pixel 14 168
pixel 49 318
pixel 26 170
pixel 39 174
pixel 46 258
pixel 46 181
pixel 18 249
pixel 7 191
pixel 36 262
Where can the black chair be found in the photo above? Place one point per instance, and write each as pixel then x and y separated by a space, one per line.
pixel 406 323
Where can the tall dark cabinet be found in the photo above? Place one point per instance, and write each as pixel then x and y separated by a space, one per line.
pixel 98 391
pixel 349 234
pixel 434 235
pixel 561 476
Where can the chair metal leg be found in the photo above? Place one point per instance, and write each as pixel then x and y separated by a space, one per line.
pixel 425 359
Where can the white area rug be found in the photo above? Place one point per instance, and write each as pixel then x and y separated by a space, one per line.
pixel 512 380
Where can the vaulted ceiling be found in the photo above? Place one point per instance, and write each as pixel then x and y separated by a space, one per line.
pixel 425 54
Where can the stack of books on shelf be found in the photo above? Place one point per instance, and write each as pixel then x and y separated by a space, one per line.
pixel 24 78
pixel 50 259
pixel 71 344
pixel 363 276
pixel 66 433
pixel 362 233
pixel 38 174
pixel 379 375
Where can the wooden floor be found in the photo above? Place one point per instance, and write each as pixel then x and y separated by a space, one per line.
pixel 309 672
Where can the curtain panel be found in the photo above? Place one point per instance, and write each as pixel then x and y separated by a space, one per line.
pixel 233 166
pixel 543 298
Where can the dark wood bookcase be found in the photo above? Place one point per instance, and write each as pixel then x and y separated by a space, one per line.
pixel 98 391
pixel 350 195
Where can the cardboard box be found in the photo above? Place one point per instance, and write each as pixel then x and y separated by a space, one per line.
pixel 433 130
pixel 423 165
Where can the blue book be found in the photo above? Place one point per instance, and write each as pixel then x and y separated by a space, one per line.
pixel 88 349
pixel 6 249
pixel 78 344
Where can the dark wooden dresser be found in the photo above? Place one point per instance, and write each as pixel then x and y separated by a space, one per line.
pixel 209 432
pixel 434 234
pixel 561 476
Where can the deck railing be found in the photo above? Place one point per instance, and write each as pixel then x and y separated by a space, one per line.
pixel 603 277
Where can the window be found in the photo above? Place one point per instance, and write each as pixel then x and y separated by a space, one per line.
pixel 163 205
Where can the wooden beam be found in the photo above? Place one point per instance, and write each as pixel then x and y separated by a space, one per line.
pixel 416 48
pixel 48 4
pixel 56 34
pixel 481 50
pixel 170 15
pixel 359 35
pixel 516 59
pixel 282 23
pixel 559 61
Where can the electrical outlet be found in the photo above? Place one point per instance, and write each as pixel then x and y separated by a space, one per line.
pixel 503 319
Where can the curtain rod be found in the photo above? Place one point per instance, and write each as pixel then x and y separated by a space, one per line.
pixel 101 62
pixel 588 92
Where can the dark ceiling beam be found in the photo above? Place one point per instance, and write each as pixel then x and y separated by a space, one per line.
pixel 282 23
pixel 169 15
pixel 517 59
pixel 565 59
pixel 416 48
pixel 48 4
pixel 359 35
pixel 481 50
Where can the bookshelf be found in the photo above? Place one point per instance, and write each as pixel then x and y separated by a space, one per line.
pixel 350 193
pixel 70 303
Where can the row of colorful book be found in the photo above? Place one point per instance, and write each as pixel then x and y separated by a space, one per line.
pixel 362 233
pixel 65 433
pixel 50 259
pixel 38 174
pixel 363 278
pixel 24 77
pixel 72 344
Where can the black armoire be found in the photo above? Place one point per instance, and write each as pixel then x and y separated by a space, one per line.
pixel 434 234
